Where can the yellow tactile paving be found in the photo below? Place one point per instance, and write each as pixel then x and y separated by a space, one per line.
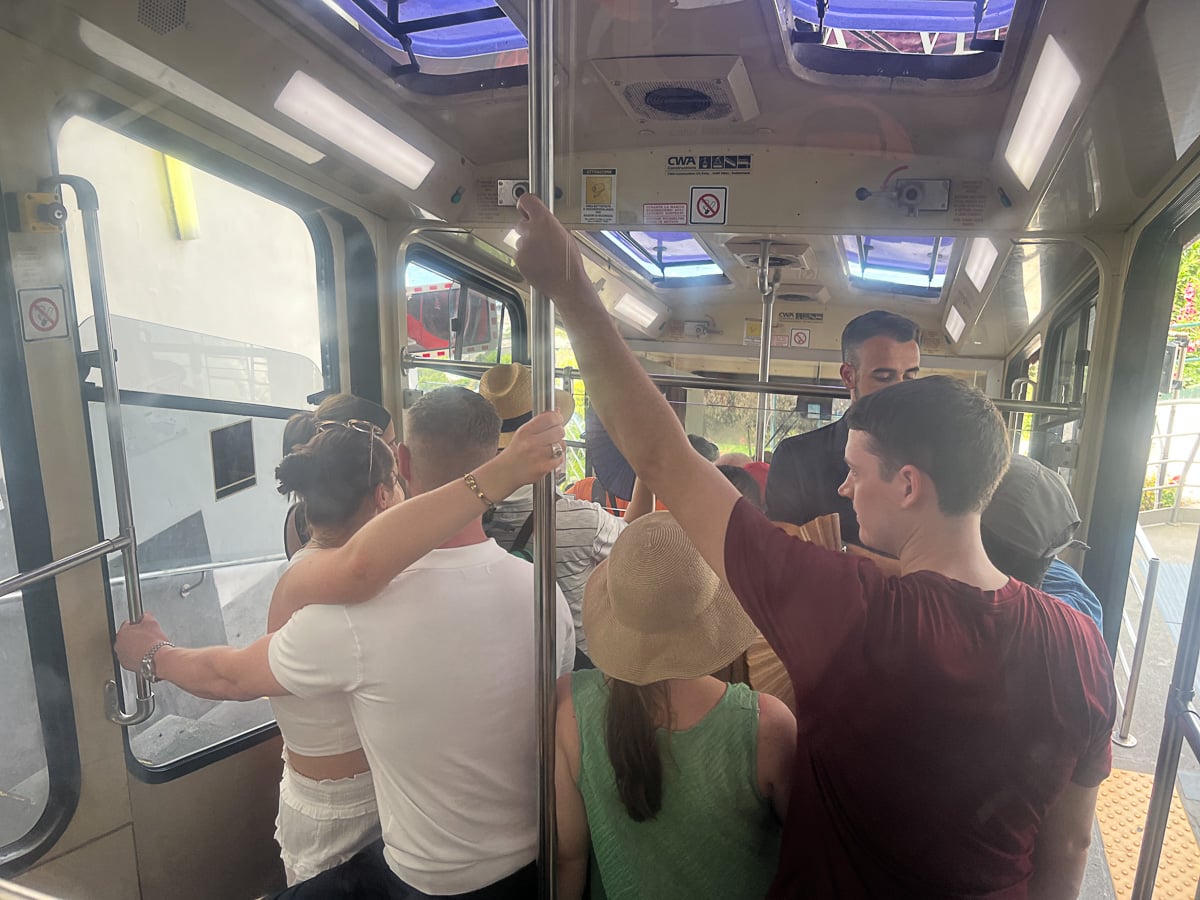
pixel 1121 810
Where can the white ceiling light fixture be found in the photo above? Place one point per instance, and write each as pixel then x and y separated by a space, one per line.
pixel 1054 85
pixel 955 324
pixel 512 238
pixel 1031 278
pixel 320 110
pixel 128 57
pixel 645 314
pixel 980 259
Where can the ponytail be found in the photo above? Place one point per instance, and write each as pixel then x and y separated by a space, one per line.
pixel 631 735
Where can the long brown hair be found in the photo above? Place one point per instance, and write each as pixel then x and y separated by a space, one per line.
pixel 634 712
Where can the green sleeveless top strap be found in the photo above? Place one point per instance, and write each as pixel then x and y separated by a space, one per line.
pixel 715 836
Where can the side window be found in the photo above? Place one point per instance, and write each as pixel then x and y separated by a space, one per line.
pixel 1021 383
pixel 454 315
pixel 217 321
pixel 24 781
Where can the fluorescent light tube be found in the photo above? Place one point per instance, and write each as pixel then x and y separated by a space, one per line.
pixel 1054 85
pixel 955 324
pixel 134 61
pixel 980 260
pixel 511 238
pixel 1031 277
pixel 638 312
pixel 319 109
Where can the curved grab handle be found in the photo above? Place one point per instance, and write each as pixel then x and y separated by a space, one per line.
pixel 89 207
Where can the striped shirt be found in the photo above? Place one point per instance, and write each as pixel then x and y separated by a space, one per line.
pixel 584 536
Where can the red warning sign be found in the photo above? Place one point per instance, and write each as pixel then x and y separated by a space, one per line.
pixel 708 206
pixel 42 313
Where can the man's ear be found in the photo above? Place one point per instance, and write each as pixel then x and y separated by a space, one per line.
pixel 914 487
pixel 849 376
pixel 404 460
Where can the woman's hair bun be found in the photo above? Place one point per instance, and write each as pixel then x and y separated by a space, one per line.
pixel 299 472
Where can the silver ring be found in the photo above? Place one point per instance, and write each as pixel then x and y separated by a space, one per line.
pixel 558 450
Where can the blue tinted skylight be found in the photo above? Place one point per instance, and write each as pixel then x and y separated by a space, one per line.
pixel 905 261
pixel 473 46
pixel 930 27
pixel 664 254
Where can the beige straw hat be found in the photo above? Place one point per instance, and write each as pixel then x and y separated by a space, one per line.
pixel 509 388
pixel 654 609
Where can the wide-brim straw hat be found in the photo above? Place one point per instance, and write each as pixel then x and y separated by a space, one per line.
pixel 654 609
pixel 509 388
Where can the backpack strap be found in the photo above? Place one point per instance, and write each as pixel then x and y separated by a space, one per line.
pixel 522 538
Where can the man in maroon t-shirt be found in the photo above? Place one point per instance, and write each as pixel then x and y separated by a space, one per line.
pixel 953 723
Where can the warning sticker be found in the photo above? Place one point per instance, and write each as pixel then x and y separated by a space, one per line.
pixel 799 337
pixel 709 206
pixel 969 203
pixel 43 313
pixel 599 196
pixel 665 213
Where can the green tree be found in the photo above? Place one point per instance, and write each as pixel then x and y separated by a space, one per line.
pixel 1185 317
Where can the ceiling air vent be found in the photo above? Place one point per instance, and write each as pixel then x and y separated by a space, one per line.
pixel 162 16
pixel 780 255
pixel 681 88
pixel 801 293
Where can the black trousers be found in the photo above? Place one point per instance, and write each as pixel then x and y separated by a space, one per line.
pixel 367 875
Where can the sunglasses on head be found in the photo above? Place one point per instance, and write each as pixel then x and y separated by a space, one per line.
pixel 362 426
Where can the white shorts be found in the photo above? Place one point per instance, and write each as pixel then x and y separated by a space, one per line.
pixel 323 823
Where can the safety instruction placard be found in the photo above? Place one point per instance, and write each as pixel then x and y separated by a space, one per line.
pixel 709 206
pixel 599 196
pixel 43 313
pixel 799 337
pixel 664 213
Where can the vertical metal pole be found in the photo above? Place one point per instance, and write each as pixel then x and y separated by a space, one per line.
pixel 541 182
pixel 764 349
pixel 89 207
pixel 1123 738
pixel 1167 765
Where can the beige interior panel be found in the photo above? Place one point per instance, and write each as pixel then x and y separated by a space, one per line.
pixel 105 869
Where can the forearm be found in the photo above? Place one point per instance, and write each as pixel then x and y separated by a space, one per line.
pixel 572 878
pixel 636 415
pixel 641 503
pixel 390 543
pixel 214 673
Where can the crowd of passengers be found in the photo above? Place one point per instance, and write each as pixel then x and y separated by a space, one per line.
pixel 952 697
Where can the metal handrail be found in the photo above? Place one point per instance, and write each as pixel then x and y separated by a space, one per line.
pixel 1123 737
pixel 89 207
pixel 1178 726
pixel 16 583
pixel 541 333
pixel 783 387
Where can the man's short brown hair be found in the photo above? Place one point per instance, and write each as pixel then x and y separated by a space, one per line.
pixel 942 426
pixel 449 432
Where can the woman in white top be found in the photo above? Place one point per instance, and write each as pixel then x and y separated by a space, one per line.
pixel 346 478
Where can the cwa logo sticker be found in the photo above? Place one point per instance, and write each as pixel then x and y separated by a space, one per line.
pixel 710 164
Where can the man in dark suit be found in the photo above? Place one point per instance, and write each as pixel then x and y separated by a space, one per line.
pixel 878 349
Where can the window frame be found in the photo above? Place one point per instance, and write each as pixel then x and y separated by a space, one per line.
pixel 43 620
pixel 435 260
pixel 359 269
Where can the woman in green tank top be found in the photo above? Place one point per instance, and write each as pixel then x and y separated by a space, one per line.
pixel 672 784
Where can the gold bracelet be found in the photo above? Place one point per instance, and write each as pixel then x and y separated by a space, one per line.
pixel 469 478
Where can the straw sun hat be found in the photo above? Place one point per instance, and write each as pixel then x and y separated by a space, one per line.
pixel 655 610
pixel 509 388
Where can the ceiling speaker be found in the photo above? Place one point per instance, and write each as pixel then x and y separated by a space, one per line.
pixel 162 16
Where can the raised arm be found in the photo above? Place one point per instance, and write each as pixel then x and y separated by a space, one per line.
pixel 1061 850
pixel 633 411
pixel 215 673
pixel 641 503
pixel 398 537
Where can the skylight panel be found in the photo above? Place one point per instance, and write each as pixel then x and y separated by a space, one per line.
pixel 445 36
pixel 914 27
pixel 664 254
pixel 887 262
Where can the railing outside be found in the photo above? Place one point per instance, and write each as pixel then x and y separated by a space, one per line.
pixel 1132 667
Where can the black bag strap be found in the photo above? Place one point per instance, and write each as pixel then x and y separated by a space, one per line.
pixel 523 536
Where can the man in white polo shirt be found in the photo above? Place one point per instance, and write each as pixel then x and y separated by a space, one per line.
pixel 440 671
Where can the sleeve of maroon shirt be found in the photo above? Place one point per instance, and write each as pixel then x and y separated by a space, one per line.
pixel 806 600
pixel 1096 675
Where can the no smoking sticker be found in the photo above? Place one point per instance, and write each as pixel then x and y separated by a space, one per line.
pixel 43 313
pixel 709 206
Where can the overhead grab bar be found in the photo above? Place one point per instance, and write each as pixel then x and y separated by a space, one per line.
pixel 409 362
pixel 126 540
